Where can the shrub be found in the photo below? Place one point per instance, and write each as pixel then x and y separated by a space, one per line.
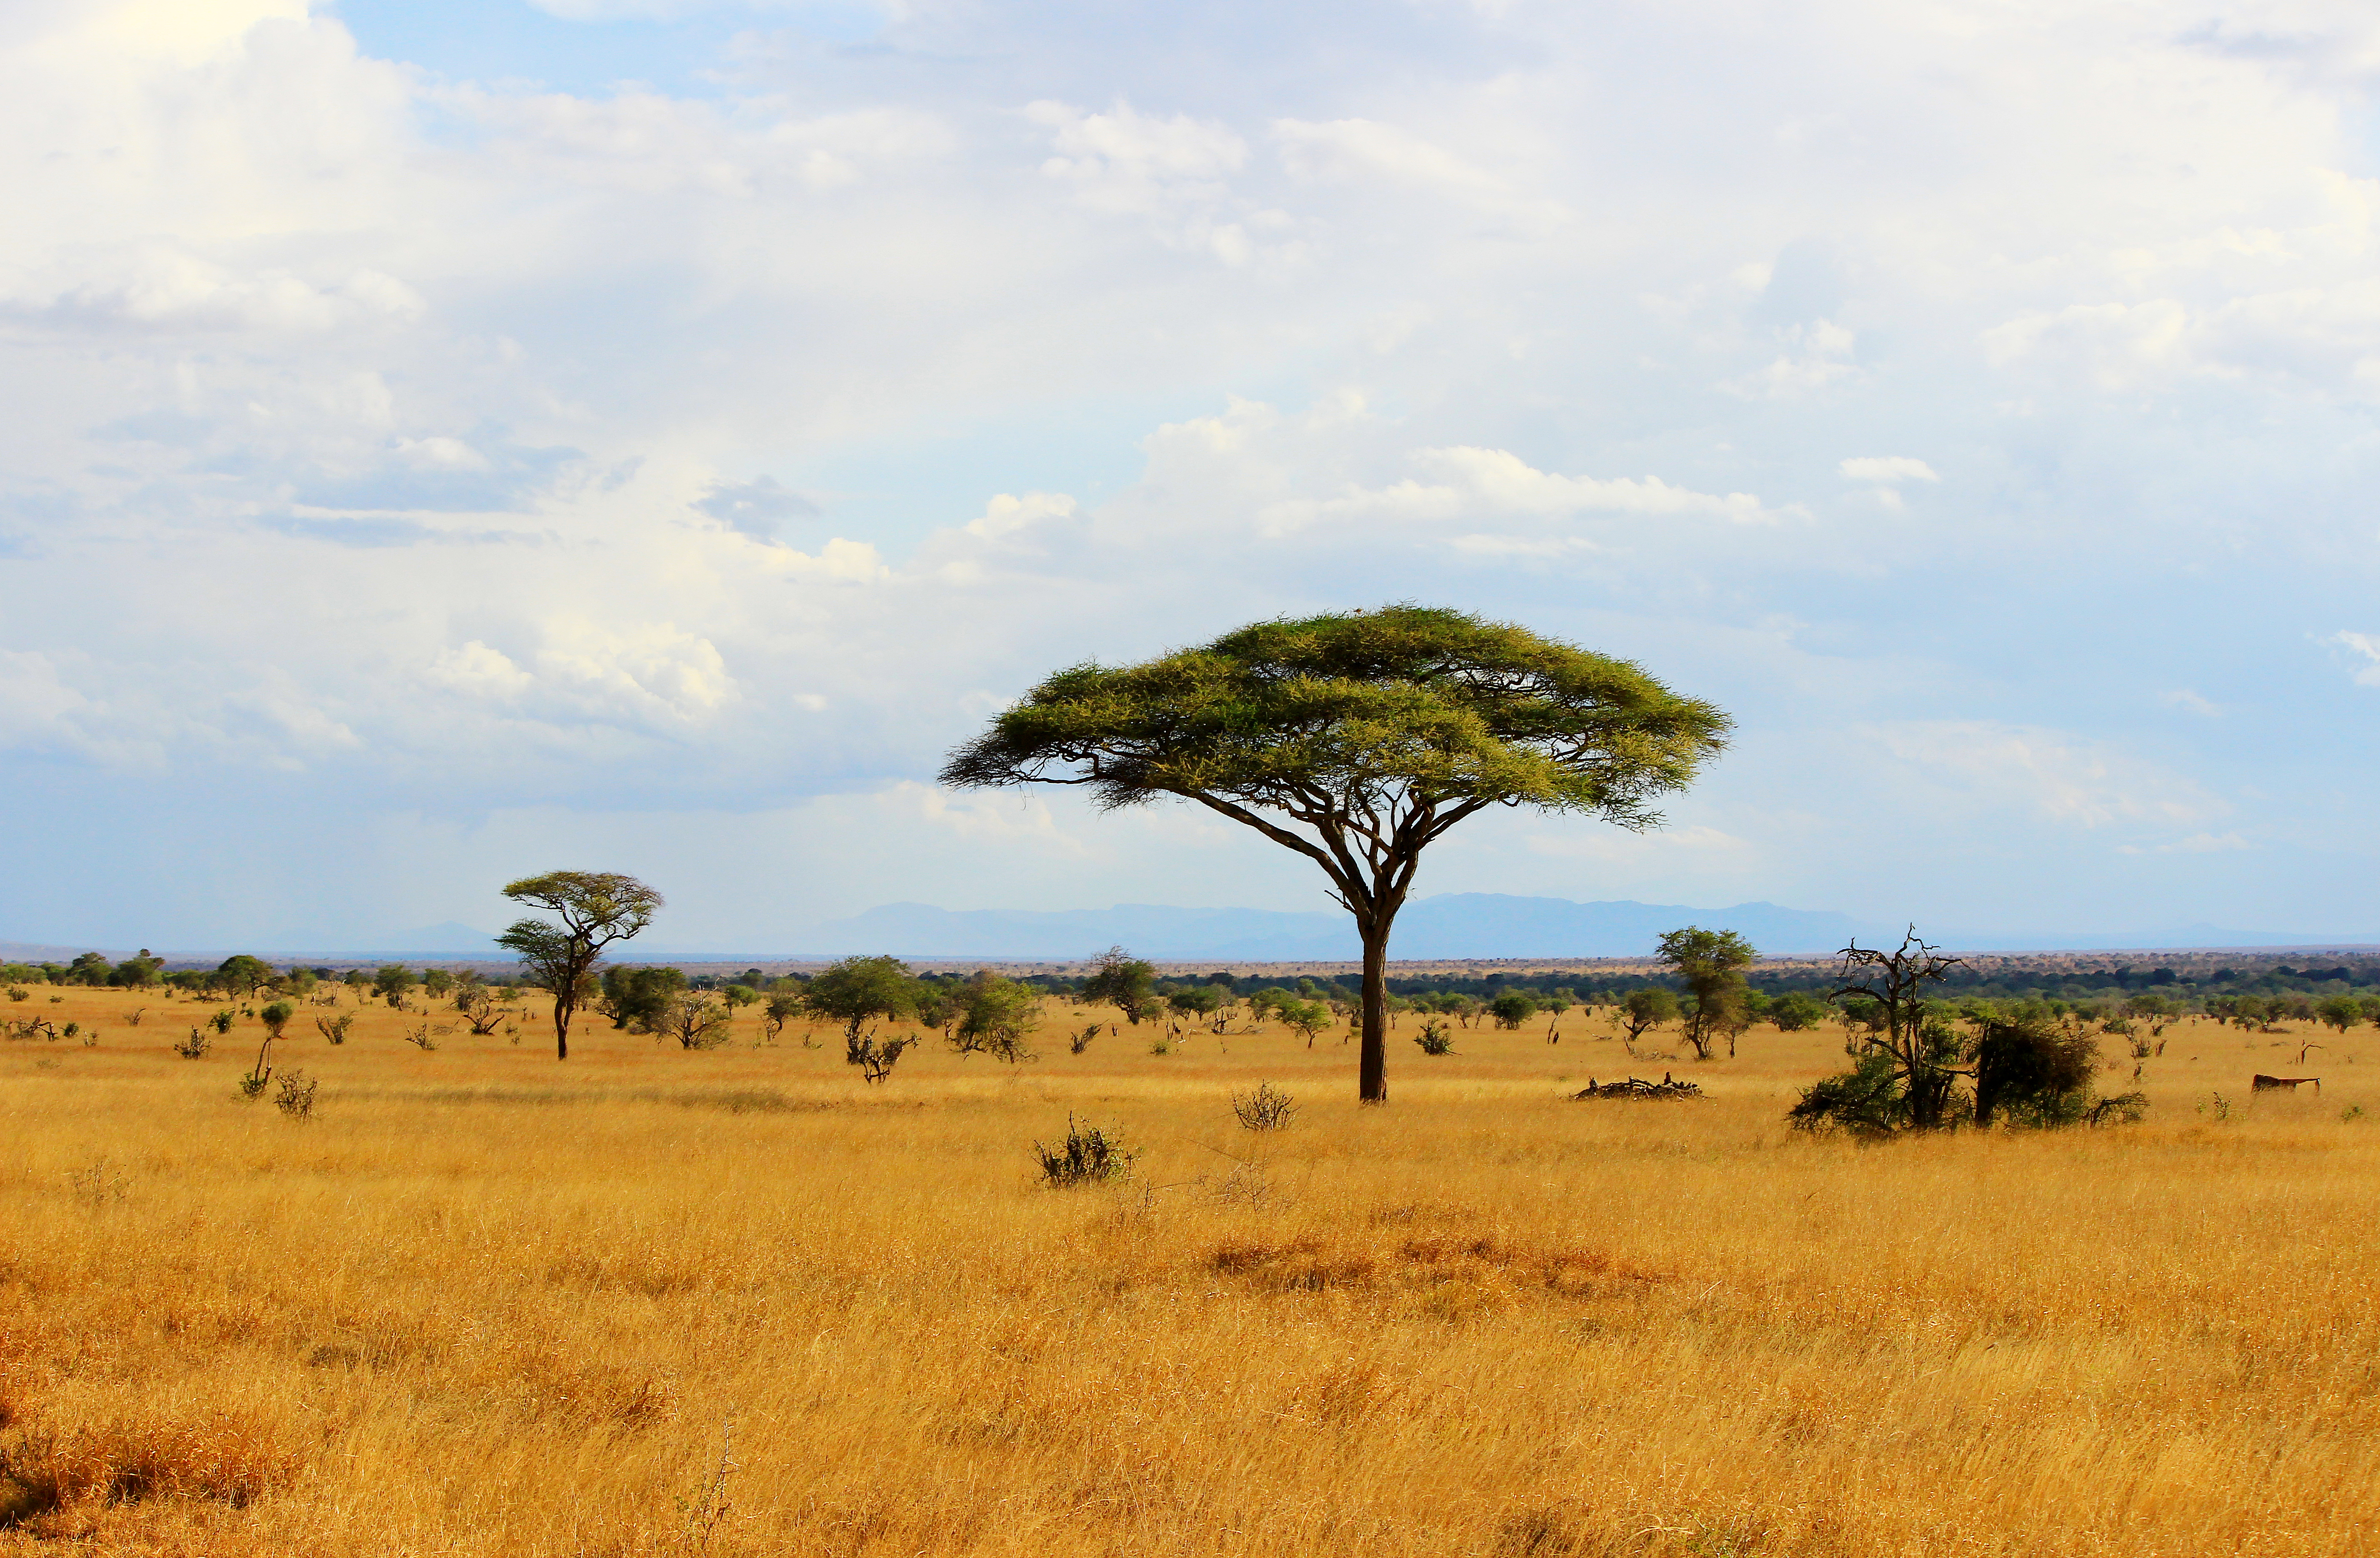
pixel 19 993
pixel 1434 1040
pixel 1080 1042
pixel 276 1017
pixel 1087 1154
pixel 1267 1108
pixel 1796 1011
pixel 195 1047
pixel 295 1097
pixel 335 1028
pixel 221 1021
pixel 1868 1099
pixel 2034 1074
pixel 638 998
pixel 876 1060
pixel 995 1015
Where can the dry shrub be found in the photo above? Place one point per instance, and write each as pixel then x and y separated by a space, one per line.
pixel 224 1457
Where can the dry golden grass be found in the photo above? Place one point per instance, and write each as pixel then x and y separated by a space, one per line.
pixel 732 1302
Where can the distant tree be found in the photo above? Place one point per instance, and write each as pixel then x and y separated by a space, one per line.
pixel 242 974
pixel 2341 1012
pixel 139 973
pixel 275 1017
pixel 1559 999
pixel 781 1007
pixel 1645 1010
pixel 89 968
pixel 1711 964
pixel 391 983
pixel 695 1018
pixel 1308 1018
pixel 637 997
pixel 1795 1010
pixel 1124 983
pixel 1513 1008
pixel 595 909
pixel 859 992
pixel 435 983
pixel 995 1016
pixel 1197 1002
pixel 1357 740
pixel 741 996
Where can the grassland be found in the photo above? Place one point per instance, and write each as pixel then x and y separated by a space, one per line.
pixel 736 1303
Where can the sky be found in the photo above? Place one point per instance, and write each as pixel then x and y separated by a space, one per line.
pixel 453 439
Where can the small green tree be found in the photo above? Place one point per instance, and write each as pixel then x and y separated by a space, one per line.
pixel 1513 1008
pixel 2341 1012
pixel 391 983
pixel 1711 964
pixel 1796 1010
pixel 1197 1002
pixel 435 983
pixel 595 909
pixel 1124 983
pixel 1357 740
pixel 859 992
pixel 1645 1010
pixel 242 975
pixel 995 1014
pixel 1308 1018
pixel 635 997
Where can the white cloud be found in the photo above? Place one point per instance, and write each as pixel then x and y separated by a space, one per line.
pixel 2368 645
pixel 2183 698
pixel 1888 470
pixel 2058 776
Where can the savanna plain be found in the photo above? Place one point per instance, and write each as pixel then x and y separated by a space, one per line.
pixel 739 1302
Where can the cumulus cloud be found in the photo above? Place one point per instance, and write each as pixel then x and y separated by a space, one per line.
pixel 403 429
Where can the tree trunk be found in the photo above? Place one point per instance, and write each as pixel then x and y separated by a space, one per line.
pixel 561 1031
pixel 1373 1068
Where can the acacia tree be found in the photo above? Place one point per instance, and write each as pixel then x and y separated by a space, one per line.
pixel 1712 964
pixel 596 908
pixel 1358 739
pixel 1124 982
pixel 1921 1055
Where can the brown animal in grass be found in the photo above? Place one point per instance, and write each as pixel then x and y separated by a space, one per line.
pixel 2266 1084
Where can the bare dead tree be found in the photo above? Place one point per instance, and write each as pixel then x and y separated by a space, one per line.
pixel 1896 981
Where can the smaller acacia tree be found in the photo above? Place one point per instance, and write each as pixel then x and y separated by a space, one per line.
pixel 596 908
pixel 1645 1010
pixel 859 992
pixel 1711 964
pixel 994 1017
pixel 1124 983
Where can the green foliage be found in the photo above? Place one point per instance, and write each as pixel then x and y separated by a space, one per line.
pixel 1124 982
pixel 1197 1000
pixel 1868 1100
pixel 276 1016
pixel 741 996
pixel 392 983
pixel 1434 1039
pixel 1512 1009
pixel 222 1020
pixel 860 992
pixel 1711 964
pixel 637 997
pixel 1646 1010
pixel 137 972
pixel 1308 1018
pixel 2341 1012
pixel 1797 1011
pixel 89 968
pixel 242 974
pixel 2033 1073
pixel 695 1018
pixel 995 1015
pixel 435 983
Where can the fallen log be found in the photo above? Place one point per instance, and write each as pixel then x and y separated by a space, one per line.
pixel 1637 1087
